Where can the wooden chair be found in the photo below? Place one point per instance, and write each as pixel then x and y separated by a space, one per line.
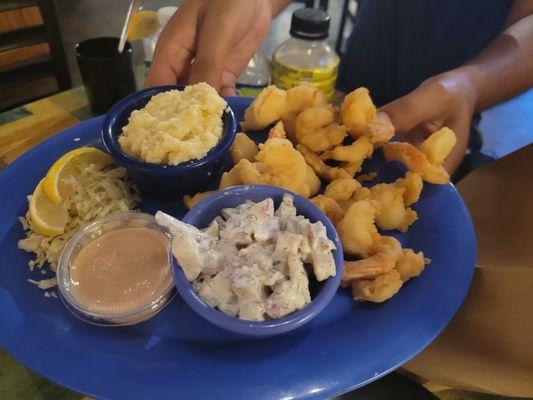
pixel 32 58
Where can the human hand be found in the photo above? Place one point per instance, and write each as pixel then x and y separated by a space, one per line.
pixel 221 36
pixel 448 99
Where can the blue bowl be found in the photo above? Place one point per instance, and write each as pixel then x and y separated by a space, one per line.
pixel 160 179
pixel 201 216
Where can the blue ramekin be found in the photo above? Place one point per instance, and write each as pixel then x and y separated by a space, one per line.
pixel 161 179
pixel 201 216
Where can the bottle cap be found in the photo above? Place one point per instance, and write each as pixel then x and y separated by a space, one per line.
pixel 310 24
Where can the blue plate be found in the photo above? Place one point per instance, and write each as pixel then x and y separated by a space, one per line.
pixel 178 354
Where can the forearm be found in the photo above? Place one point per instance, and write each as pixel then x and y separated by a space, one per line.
pixel 504 69
pixel 278 6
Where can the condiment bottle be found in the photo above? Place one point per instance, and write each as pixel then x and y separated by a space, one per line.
pixel 255 77
pixel 306 57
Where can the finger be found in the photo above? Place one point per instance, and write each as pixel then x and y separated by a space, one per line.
pixel 213 44
pixel 173 53
pixel 411 110
pixel 161 73
pixel 228 85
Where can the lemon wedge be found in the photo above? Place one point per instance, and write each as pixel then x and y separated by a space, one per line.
pixel 142 24
pixel 48 219
pixel 56 183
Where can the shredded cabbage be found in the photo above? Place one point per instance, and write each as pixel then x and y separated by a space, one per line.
pixel 95 193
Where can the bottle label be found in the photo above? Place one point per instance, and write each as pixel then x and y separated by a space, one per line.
pixel 286 77
pixel 245 90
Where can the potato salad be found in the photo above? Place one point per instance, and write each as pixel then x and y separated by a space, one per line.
pixel 253 262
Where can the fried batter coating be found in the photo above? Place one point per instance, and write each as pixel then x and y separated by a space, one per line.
pixel 341 189
pixel 277 131
pixel 380 130
pixel 315 128
pixel 243 147
pixel 191 201
pixel 413 185
pixel 392 212
pixel 437 147
pixel 279 164
pixel 266 108
pixel 357 111
pixel 298 99
pixel 230 178
pixel 367 177
pixel 351 168
pixel 312 181
pixel 323 170
pixel 357 230
pixel 329 207
pixel 357 152
pixel 410 264
pixel 379 289
pixel 387 252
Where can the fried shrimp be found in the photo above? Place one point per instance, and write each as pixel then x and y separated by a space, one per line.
pixel 357 111
pixel 356 153
pixel 315 128
pixel 298 99
pixel 266 108
pixel 379 289
pixel 357 230
pixel 243 147
pixel 329 207
pixel 436 147
pixel 323 170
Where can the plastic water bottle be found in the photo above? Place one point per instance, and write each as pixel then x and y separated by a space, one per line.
pixel 255 77
pixel 306 57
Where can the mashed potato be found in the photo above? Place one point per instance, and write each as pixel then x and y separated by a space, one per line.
pixel 175 126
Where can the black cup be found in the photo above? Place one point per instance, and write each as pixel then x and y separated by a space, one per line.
pixel 106 73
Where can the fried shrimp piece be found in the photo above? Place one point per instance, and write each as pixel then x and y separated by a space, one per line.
pixel 357 111
pixel 388 252
pixel 436 147
pixel 357 152
pixel 316 129
pixel 277 131
pixel 410 264
pixel 415 161
pixel 380 130
pixel 357 230
pixel 243 147
pixel 329 207
pixel 312 180
pixel 379 289
pixel 230 178
pixel 323 170
pixel 391 210
pixel 413 185
pixel 265 109
pixel 278 163
pixel 359 114
pixel 341 189
pixel 298 99
pixel 351 168
pixel 367 177
pixel 191 201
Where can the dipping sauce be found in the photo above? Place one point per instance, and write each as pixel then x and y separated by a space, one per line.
pixel 121 270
